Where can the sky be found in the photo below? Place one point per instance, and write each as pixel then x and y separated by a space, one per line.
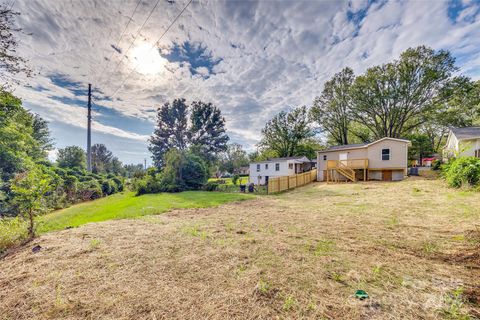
pixel 252 59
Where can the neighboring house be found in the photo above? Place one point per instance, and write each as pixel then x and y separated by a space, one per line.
pixel 243 171
pixel 261 171
pixel 427 162
pixel 463 142
pixel 385 159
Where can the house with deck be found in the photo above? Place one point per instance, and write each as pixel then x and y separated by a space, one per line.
pixel 463 142
pixel 261 171
pixel 385 159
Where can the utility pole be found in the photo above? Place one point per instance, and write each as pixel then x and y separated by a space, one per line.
pixel 89 129
pixel 145 163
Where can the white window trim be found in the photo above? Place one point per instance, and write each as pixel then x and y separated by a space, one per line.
pixel 389 154
pixel 277 164
pixel 258 167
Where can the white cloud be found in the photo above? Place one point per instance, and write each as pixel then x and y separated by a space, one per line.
pixel 275 54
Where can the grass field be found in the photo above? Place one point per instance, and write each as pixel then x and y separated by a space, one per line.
pixel 228 181
pixel 127 205
pixel 413 246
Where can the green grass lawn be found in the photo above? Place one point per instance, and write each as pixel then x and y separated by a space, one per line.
pixel 228 181
pixel 127 205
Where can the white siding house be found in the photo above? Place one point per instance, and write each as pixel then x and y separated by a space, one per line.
pixel 261 171
pixel 463 142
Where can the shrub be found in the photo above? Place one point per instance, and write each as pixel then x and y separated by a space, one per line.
pixel 463 172
pixel 210 186
pixel 89 190
pixel 235 179
pixel 436 165
pixel 12 232
pixel 118 184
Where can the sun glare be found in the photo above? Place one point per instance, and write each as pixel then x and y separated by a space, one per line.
pixel 147 59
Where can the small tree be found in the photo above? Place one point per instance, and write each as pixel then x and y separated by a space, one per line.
pixel 29 188
pixel 72 157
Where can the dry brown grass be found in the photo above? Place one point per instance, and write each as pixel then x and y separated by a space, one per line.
pixel 413 246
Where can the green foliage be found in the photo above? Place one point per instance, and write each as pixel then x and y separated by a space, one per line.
pixel 12 232
pixel 205 135
pixel 127 205
pixel 29 189
pixel 332 109
pixel 286 131
pixel 233 158
pixel 235 179
pixel 463 172
pixel 72 157
pixel 421 146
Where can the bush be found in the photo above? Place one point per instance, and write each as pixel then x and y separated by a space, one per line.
pixel 89 190
pixel 148 184
pixel 436 165
pixel 462 172
pixel 210 186
pixel 12 232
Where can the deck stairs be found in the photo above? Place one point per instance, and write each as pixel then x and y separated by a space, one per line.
pixel 346 171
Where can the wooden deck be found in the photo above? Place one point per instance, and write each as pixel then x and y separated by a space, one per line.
pixel 346 168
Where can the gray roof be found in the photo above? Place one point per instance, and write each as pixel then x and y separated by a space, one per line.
pixel 286 158
pixel 346 146
pixel 466 132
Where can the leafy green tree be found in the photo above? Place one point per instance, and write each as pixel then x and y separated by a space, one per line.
pixel 204 134
pixel 72 157
pixel 233 158
pixel 332 109
pixel 207 131
pixel 460 107
pixel 392 99
pixel 286 131
pixel 101 158
pixel 420 148
pixel 30 188
pixel 41 134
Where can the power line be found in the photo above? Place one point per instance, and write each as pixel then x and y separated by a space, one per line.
pixel 121 36
pixel 155 44
pixel 136 36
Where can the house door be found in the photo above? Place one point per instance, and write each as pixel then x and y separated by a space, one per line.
pixel 343 158
pixel 386 175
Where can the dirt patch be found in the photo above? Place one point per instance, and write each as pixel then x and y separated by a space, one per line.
pixel 299 255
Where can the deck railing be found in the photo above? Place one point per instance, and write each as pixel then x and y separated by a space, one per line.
pixel 350 163
pixel 279 184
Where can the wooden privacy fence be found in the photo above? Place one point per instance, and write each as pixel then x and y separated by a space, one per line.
pixel 279 184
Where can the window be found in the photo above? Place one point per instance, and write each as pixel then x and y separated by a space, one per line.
pixel 324 157
pixel 477 153
pixel 277 166
pixel 290 166
pixel 266 166
pixel 258 168
pixel 385 154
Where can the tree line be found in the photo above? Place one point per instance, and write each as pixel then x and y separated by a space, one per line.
pixel 418 96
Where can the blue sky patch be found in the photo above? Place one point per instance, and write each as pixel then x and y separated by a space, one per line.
pixel 195 55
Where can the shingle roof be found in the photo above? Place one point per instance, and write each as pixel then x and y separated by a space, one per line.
pixel 466 132
pixel 347 146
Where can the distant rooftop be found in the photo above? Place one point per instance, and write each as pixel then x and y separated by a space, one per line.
pixel 466 132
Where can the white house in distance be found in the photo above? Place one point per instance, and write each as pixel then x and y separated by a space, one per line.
pixel 385 159
pixel 463 142
pixel 261 171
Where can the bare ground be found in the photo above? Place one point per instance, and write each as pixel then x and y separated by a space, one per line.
pixel 413 246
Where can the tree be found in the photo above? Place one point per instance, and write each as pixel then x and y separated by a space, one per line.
pixel 392 99
pixel 41 134
pixel 205 133
pixel 459 108
pixel 332 109
pixel 286 131
pixel 233 158
pixel 101 158
pixel 72 157
pixel 420 148
pixel 10 62
pixel 30 188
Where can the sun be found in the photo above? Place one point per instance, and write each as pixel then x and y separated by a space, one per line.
pixel 147 59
